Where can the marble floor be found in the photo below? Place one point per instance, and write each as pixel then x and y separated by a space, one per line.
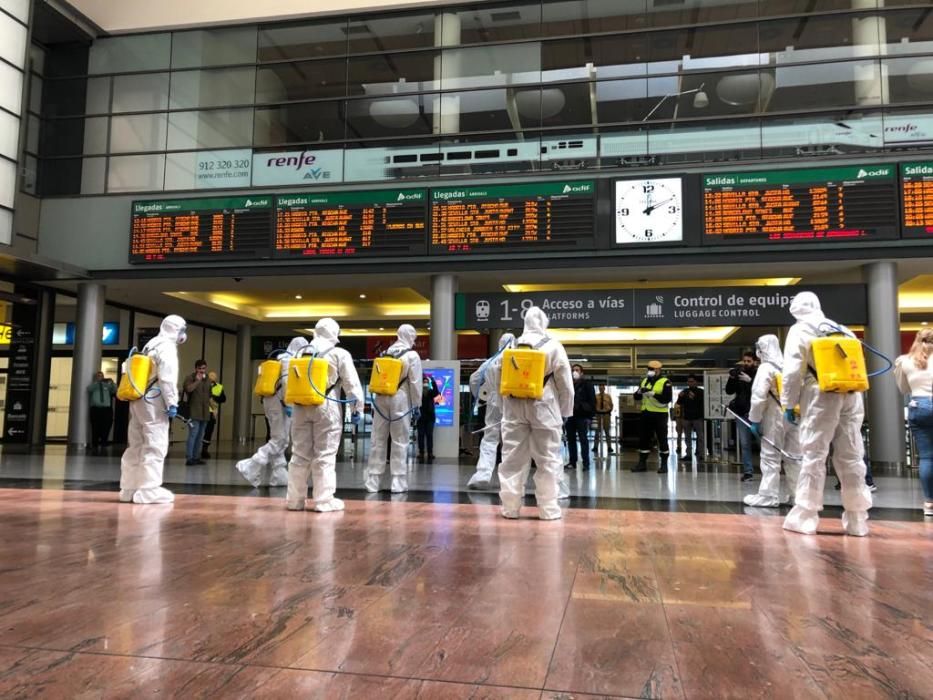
pixel 224 596
pixel 713 487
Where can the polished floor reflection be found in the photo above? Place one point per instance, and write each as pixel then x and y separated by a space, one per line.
pixel 220 596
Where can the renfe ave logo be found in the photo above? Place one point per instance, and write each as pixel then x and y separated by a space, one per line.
pixel 299 162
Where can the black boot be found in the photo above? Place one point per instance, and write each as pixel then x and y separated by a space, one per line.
pixel 642 465
pixel 662 469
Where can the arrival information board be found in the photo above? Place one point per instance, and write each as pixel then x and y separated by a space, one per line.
pixel 340 224
pixel 801 205
pixel 188 229
pixel 917 199
pixel 526 217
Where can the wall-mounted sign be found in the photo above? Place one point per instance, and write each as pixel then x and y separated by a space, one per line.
pixel 340 224
pixel 223 168
pixel 817 204
pixel 64 333
pixel 297 168
pixel 527 217
pixel 658 308
pixel 216 228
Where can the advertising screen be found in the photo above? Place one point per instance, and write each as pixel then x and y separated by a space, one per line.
pixel 444 404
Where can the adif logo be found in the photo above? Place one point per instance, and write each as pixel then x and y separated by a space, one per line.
pixel 880 172
pixel 566 189
pixel 410 197
pixel 585 188
pixel 249 202
pixel 257 203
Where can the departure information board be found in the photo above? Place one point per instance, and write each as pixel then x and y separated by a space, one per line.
pixel 187 229
pixel 917 199
pixel 815 204
pixel 351 224
pixel 526 217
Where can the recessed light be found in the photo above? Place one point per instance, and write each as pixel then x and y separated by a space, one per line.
pixel 362 296
pixel 382 329
pixel 924 323
pixel 298 296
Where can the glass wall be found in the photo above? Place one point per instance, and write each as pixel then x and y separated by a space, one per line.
pixel 490 88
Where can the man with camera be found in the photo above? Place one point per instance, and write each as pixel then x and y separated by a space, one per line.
pixel 740 387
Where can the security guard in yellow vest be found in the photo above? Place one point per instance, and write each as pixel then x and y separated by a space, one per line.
pixel 655 393
pixel 217 397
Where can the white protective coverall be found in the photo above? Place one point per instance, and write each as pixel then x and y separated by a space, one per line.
pixel 147 435
pixel 484 383
pixel 316 430
pixel 269 465
pixel 531 428
pixel 767 412
pixel 395 407
pixel 826 419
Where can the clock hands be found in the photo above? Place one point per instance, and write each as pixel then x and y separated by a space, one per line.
pixel 651 207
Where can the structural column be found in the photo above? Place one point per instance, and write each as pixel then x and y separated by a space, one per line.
pixel 883 333
pixel 243 397
pixel 443 339
pixel 89 321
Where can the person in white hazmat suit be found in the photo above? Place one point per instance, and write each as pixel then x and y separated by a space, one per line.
pixel 391 417
pixel 269 465
pixel 531 428
pixel 825 419
pixel 484 383
pixel 767 419
pixel 316 430
pixel 147 437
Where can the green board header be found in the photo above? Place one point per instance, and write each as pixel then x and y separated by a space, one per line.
pixel 540 189
pixel 854 173
pixel 173 206
pixel 370 197
pixel 922 169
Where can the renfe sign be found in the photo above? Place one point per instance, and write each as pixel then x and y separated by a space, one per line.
pixel 657 308
pixel 297 167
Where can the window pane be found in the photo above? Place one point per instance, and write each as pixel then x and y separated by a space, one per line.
pixel 623 101
pixel 381 74
pixel 32 133
pixel 35 93
pixel 17 8
pixel 666 14
pixel 306 40
pixel 12 41
pixel 484 23
pixel 214 47
pixel 833 132
pixel 771 8
pixel 480 110
pixel 857 83
pixel 136 173
pixel 820 38
pixel 400 115
pixel 9 134
pixel 98 96
pixel 61 137
pixel 489 66
pixel 60 176
pixel 140 93
pixel 93 173
pixel 909 80
pixel 593 16
pixel 139 132
pixel 299 123
pixel 403 31
pixel 95 135
pixel 7 183
pixel 184 171
pixel 123 54
pixel 910 31
pixel 712 141
pixel 212 88
pixel 218 128
pixel 285 82
pixel 391 160
pixel 30 178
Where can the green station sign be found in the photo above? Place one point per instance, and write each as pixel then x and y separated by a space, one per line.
pixel 585 188
pixel 357 198
pixel 852 174
pixel 171 206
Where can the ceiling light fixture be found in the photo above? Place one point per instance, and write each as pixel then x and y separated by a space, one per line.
pixel 362 296
pixel 298 296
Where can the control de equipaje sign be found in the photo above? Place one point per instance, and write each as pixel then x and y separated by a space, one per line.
pixel 648 308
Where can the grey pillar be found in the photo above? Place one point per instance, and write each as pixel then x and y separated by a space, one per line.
pixel 443 340
pixel 883 333
pixel 40 399
pixel 89 321
pixel 243 388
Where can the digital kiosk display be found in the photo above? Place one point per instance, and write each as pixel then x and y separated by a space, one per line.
pixel 526 217
pixel 351 224
pixel 816 204
pixel 445 403
pixel 917 199
pixel 231 228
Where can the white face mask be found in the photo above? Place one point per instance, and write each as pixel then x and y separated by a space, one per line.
pixel 651 373
pixel 577 375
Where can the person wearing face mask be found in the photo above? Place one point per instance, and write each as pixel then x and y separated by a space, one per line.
pixel 578 425
pixel 484 385
pixel 268 465
pixel 826 418
pixel 429 395
pixel 655 393
pixel 316 430
pixel 739 386
pixel 767 420
pixel 391 416
pixel 144 459
pixel 531 427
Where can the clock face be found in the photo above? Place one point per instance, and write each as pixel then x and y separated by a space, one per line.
pixel 649 211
